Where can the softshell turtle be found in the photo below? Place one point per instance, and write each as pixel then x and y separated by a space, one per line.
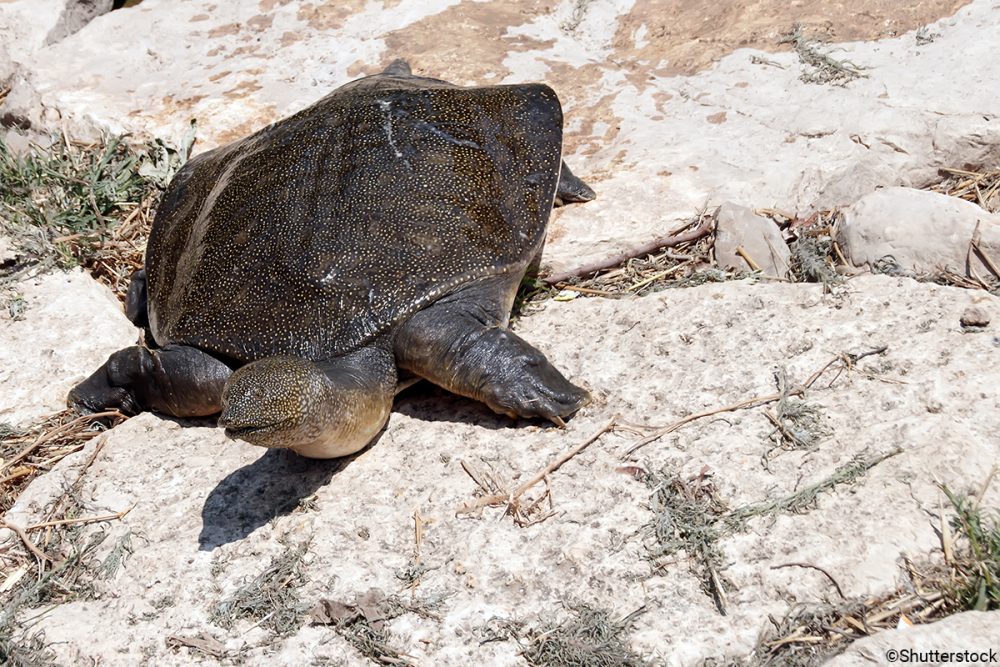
pixel 291 273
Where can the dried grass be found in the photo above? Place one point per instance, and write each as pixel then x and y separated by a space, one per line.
pixel 83 204
pixel 687 516
pixel 271 598
pixel 67 204
pixel 690 517
pixel 587 636
pixel 55 560
pixel 821 67
pixel 683 265
pixel 979 187
pixel 364 624
pixel 25 454
pixel 967 578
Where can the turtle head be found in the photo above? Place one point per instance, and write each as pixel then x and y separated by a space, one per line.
pixel 266 403
pixel 291 403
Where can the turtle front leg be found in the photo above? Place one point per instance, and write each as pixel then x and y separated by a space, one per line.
pixel 319 410
pixel 462 350
pixel 177 380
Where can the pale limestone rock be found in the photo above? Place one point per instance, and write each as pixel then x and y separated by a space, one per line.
pixel 657 146
pixel 75 15
pixel 7 67
pixel 24 25
pixel 973 631
pixel 8 253
pixel 69 326
pixel 29 25
pixel 739 227
pixel 917 231
pixel 200 499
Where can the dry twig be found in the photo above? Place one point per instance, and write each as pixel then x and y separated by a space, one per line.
pixel 80 521
pixel 829 576
pixel 17 530
pixel 847 361
pixel 706 226
pixel 501 497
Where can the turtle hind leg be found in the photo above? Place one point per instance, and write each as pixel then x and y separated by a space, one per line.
pixel 571 189
pixel 136 301
pixel 453 346
pixel 177 380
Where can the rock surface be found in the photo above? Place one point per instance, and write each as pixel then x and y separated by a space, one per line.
pixel 30 25
pixel 759 238
pixel 918 232
pixel 670 106
pixel 211 512
pixel 663 116
pixel 974 632
pixel 66 326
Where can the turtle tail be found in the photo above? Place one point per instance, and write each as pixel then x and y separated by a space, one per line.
pixel 398 67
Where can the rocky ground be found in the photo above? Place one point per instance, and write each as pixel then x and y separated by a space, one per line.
pixel 691 548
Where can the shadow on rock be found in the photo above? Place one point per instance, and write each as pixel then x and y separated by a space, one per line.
pixel 271 486
pixel 429 403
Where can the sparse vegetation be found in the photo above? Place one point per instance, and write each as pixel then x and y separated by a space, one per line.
pixel 815 256
pixel 924 36
pixel 24 453
pixel 967 579
pixel 976 567
pixel 570 25
pixel 588 636
pixel 689 516
pixel 364 624
pixel 25 649
pixel 812 260
pixel 820 67
pixel 797 423
pixel 270 599
pixel 682 265
pixel 979 187
pixel 805 498
pixel 73 576
pixel 15 305
pixel 83 204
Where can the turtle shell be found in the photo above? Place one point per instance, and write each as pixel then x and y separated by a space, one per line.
pixel 326 229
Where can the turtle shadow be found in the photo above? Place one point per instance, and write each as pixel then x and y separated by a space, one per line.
pixel 430 403
pixel 271 486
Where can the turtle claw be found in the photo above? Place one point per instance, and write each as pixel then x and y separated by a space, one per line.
pixel 537 389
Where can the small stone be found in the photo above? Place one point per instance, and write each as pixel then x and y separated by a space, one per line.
pixel 759 238
pixel 974 317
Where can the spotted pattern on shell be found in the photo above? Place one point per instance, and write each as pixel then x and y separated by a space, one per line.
pixel 324 230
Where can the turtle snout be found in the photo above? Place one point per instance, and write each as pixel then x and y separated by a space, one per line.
pixel 262 401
